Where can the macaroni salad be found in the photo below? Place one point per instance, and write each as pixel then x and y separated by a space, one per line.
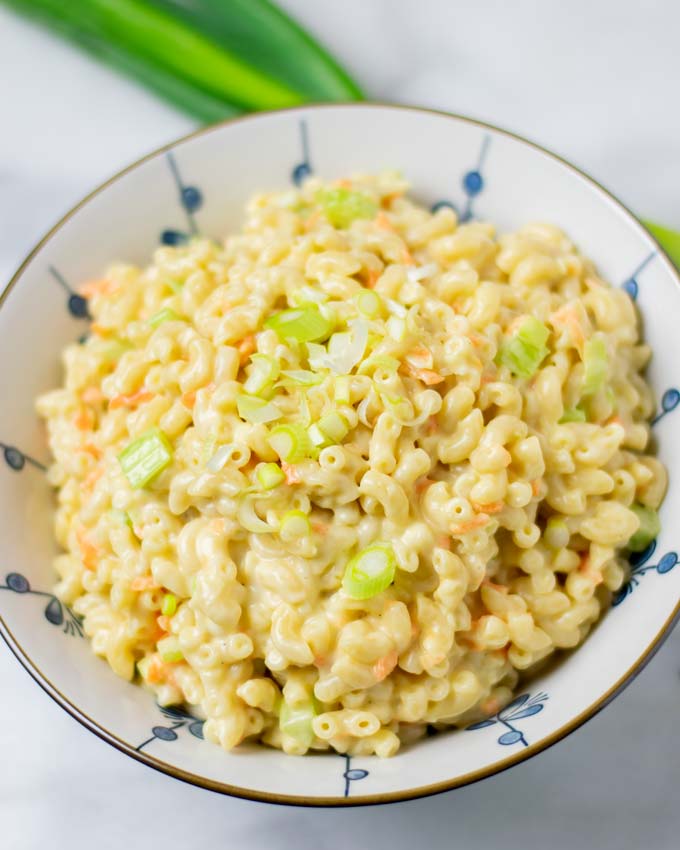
pixel 347 475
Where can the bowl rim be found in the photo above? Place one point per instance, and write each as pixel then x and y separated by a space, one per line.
pixel 370 799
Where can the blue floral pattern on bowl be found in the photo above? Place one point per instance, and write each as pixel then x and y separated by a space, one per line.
pixel 639 567
pixel 472 184
pixel 520 708
pixel 190 199
pixel 181 719
pixel 56 612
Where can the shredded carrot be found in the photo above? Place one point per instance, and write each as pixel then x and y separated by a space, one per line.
pixel 477 340
pixel 98 287
pixel 490 508
pixel 92 395
pixel 92 477
pixel 407 257
pixel 100 330
pixel 383 222
pixel 246 347
pixel 311 221
pixel 320 528
pixel 536 486
pixel 89 552
pixel 427 376
pixel 320 661
pixel 589 572
pixel 615 420
pixel 490 706
pixel 420 357
pixel 384 666
pixel 343 183
pixel 218 524
pixel 443 541
pixel 568 318
pixel 432 425
pixel 423 483
pixel 387 200
pixel 487 377
pixel 372 278
pixel 163 622
pixel 84 419
pixel 143 583
pixel 91 449
pixel 501 588
pixel 157 671
pixel 132 400
pixel 470 525
pixel 291 472
pixel 189 399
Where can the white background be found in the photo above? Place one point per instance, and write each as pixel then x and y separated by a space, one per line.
pixel 595 81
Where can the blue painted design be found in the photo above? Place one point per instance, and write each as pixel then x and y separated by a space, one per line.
pixel 56 612
pixel 191 200
pixel 669 401
pixel 182 720
pixel 520 708
pixel 351 774
pixel 639 567
pixel 472 183
pixel 76 304
pixel 631 284
pixel 17 460
pixel 303 169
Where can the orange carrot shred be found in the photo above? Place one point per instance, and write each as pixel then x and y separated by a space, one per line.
pixel 143 583
pixel 164 622
pixel 189 399
pixel 372 278
pixel 320 528
pixel 470 525
pixel 132 400
pixel 246 347
pixel 88 550
pixel 383 222
pixel 291 472
pixel 490 705
pixel 157 671
pixel 443 542
pixel 92 395
pixel 98 287
pixel 384 666
pixel 423 483
pixel 84 419
pixel 490 508
pixel 536 486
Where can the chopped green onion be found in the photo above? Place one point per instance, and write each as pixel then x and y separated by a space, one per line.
pixel 649 528
pixel 146 457
pixel 291 443
pixel 294 526
pixel 342 390
pixel 524 351
pixel 369 303
pixel 296 722
pixel 343 206
pixel 595 364
pixel 303 377
pixel 256 410
pixel 169 649
pixel 556 534
pixel 164 315
pixel 370 571
pixel 573 414
pixel 306 294
pixel 304 324
pixel 396 328
pixel 169 605
pixel 263 372
pixel 269 475
pixel 379 361
pixel 333 427
pixel 120 517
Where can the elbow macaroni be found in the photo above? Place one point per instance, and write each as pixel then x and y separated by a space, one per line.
pixel 505 518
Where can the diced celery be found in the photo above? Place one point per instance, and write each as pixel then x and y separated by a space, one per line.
pixel 649 529
pixel 342 206
pixel 146 457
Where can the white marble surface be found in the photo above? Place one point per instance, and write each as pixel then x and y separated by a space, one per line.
pixel 592 79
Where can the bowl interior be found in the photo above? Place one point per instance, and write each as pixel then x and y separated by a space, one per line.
pixel 201 185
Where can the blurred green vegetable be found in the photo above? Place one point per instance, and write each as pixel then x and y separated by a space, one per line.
pixel 187 54
pixel 669 240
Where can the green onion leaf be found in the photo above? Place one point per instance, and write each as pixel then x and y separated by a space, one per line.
pixel 303 377
pixel 524 351
pixel 369 303
pixel 649 529
pixel 370 571
pixel 169 605
pixel 595 365
pixel 296 721
pixel 169 650
pixel 263 372
pixel 269 475
pixel 294 526
pixel 291 443
pixel 573 414
pixel 379 361
pixel 164 315
pixel 304 324
pixel 146 457
pixel 343 206
pixel 256 410
pixel 334 427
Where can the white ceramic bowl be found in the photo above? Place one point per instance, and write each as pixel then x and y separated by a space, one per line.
pixel 200 184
